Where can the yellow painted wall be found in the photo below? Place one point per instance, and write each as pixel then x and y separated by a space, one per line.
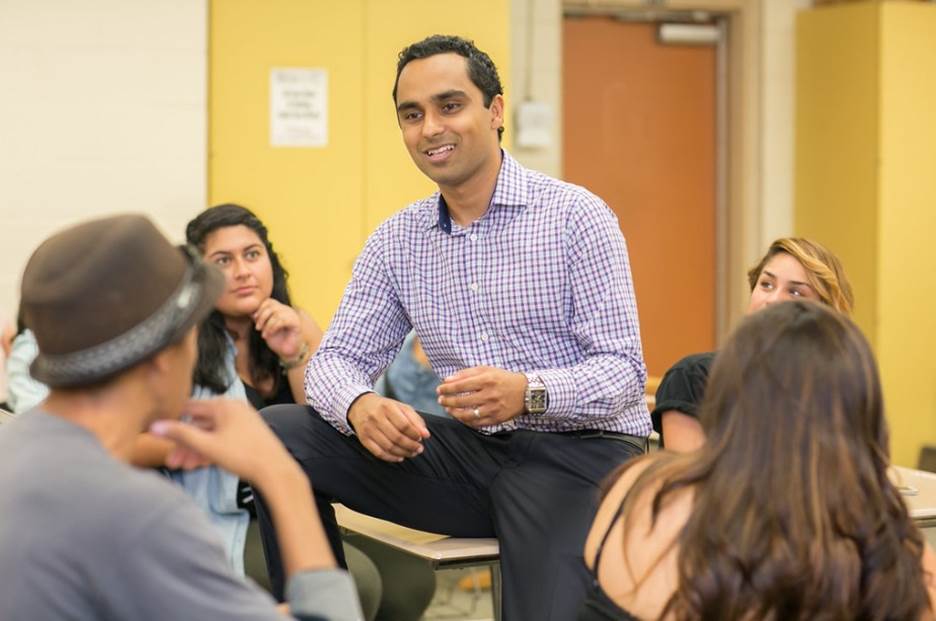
pixel 310 199
pixel 866 186
pixel 837 142
pixel 320 204
pixel 907 283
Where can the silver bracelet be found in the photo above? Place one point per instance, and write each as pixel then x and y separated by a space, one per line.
pixel 298 360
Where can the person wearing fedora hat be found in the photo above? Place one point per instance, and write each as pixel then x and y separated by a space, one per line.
pixel 213 489
pixel 114 309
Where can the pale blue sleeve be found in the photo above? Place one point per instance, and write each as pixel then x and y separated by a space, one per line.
pixel 214 490
pixel 24 393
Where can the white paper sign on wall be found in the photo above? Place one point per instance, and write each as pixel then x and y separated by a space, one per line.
pixel 298 107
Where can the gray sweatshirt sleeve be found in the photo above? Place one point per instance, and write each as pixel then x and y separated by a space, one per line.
pixel 327 595
pixel 169 564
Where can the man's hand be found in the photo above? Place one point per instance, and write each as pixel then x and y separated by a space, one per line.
pixel 228 433
pixel 391 430
pixel 483 396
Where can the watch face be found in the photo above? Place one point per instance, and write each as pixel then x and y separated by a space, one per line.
pixel 537 400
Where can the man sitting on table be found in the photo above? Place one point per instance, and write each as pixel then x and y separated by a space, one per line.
pixel 83 535
pixel 519 290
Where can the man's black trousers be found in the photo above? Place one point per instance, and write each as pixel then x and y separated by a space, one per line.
pixel 536 492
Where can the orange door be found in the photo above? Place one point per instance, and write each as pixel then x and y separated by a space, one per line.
pixel 639 131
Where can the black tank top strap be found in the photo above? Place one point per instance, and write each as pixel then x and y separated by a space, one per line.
pixel 597 606
pixel 604 538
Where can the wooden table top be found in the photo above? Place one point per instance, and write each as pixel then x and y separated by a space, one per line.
pixel 918 489
pixel 431 546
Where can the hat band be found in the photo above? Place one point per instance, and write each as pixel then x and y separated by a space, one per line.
pixel 122 351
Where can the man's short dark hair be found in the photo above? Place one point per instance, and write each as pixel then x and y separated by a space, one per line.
pixel 481 69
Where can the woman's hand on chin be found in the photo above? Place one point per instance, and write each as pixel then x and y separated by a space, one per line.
pixel 281 328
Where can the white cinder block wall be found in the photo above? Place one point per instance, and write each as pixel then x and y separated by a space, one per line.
pixel 778 84
pixel 102 110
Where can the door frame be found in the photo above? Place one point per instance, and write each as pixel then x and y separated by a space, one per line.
pixel 739 137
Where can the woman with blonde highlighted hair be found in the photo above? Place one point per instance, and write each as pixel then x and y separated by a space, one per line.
pixel 824 272
pixel 792 268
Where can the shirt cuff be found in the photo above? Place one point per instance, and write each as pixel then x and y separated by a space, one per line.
pixel 345 398
pixel 323 594
pixel 560 390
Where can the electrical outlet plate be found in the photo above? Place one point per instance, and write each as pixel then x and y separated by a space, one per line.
pixel 534 125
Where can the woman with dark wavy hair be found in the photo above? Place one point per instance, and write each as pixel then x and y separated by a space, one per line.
pixel 270 340
pixel 273 339
pixel 786 511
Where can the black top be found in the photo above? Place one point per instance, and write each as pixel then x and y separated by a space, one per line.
pixel 682 389
pixel 283 394
pixel 597 606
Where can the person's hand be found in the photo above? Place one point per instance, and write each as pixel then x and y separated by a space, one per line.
pixel 281 328
pixel 483 396
pixel 391 430
pixel 149 451
pixel 228 433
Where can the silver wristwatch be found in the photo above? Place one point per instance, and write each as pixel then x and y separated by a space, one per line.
pixel 536 399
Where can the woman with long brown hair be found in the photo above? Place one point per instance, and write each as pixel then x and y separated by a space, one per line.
pixel 786 511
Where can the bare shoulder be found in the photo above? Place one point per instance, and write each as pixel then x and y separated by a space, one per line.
pixel 611 503
pixel 638 569
pixel 929 575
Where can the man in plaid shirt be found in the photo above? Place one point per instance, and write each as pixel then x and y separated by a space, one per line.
pixel 519 289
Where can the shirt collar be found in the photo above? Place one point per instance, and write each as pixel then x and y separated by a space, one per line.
pixel 445 218
pixel 510 191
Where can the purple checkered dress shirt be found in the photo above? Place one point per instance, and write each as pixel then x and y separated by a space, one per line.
pixel 539 284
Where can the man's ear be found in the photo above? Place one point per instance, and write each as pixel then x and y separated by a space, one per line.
pixel 497 111
pixel 159 363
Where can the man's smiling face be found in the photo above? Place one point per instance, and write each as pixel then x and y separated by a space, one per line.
pixel 448 131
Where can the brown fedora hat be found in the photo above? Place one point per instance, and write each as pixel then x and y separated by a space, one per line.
pixel 103 295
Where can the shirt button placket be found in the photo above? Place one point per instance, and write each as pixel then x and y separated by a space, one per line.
pixel 475 255
pixel 474 286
